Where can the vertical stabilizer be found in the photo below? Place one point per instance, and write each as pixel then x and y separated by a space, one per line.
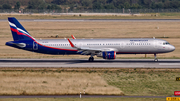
pixel 18 31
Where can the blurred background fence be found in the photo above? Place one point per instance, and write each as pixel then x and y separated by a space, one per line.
pixel 127 11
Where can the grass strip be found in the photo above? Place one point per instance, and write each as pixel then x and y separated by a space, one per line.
pixel 67 81
pixel 83 99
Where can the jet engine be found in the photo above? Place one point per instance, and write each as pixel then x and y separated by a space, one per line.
pixel 107 55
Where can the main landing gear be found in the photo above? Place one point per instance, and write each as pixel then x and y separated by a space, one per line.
pixel 91 59
pixel 155 58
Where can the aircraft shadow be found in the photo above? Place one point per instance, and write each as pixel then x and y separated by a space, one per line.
pixel 70 61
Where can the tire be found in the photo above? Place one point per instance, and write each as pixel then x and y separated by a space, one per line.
pixel 91 59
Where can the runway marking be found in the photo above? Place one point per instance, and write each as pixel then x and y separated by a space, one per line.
pixel 59 20
pixel 81 63
pixel 169 64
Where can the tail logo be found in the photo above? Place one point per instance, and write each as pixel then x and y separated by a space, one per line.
pixel 17 30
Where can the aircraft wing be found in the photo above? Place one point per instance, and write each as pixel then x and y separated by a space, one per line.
pixel 87 50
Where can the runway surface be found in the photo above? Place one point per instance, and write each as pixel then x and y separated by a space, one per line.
pixel 96 20
pixel 83 96
pixel 80 63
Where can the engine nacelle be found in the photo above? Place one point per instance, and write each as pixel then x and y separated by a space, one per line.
pixel 107 55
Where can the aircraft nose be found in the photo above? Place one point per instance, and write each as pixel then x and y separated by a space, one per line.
pixel 172 48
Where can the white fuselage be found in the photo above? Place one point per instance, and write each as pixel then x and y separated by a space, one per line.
pixel 121 46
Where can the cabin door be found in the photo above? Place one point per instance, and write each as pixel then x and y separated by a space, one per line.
pixel 155 44
pixel 122 45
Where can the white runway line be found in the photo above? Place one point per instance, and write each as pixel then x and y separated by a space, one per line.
pixel 118 63
pixel 59 20
pixel 169 64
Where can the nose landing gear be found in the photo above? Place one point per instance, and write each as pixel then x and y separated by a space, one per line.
pixel 155 58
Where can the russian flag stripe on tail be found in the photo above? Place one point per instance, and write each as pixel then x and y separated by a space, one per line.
pixel 18 31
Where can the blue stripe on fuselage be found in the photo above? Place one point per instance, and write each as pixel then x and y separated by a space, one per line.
pixel 41 48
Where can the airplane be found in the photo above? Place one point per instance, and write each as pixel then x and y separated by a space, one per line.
pixel 104 48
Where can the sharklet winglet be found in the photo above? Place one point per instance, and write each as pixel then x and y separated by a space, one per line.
pixel 72 45
pixel 73 36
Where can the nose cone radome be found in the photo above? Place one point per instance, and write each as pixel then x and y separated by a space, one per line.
pixel 172 48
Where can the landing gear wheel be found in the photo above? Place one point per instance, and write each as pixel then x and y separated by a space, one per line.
pixel 91 59
pixel 156 59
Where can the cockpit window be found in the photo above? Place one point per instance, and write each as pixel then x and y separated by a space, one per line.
pixel 166 43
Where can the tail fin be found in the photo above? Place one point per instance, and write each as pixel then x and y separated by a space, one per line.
pixel 18 31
